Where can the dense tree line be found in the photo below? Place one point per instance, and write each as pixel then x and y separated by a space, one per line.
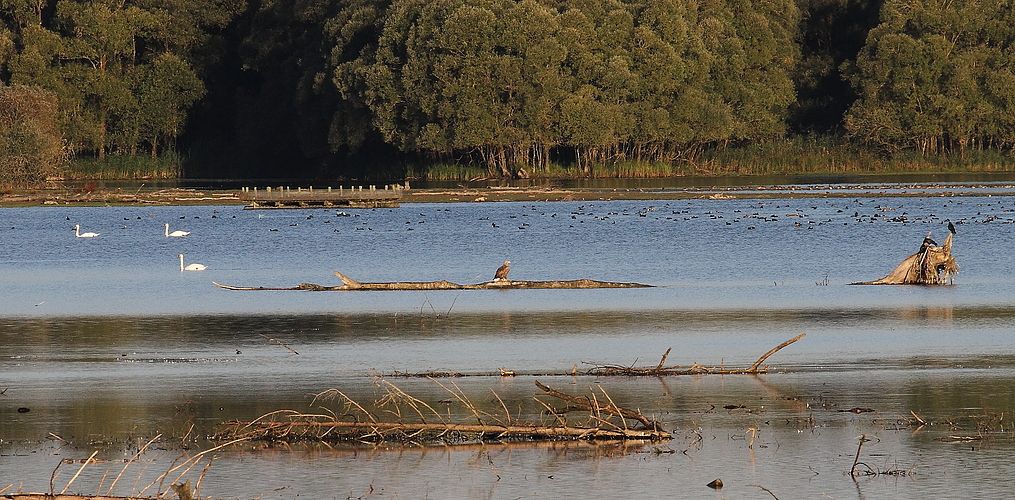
pixel 122 71
pixel 938 77
pixel 340 87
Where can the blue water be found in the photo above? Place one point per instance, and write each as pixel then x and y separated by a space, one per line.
pixel 713 254
pixel 108 343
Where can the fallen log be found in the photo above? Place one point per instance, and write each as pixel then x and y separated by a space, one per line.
pixel 696 369
pixel 659 370
pixel 349 284
pixel 64 496
pixel 931 265
pixel 330 430
pixel 428 426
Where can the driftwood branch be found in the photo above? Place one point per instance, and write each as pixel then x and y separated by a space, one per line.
pixel 695 369
pixel 349 284
pixel 287 425
pixel 757 364
pixel 375 432
pixel 659 370
pixel 588 404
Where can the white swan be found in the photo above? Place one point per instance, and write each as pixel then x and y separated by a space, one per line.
pixel 191 267
pixel 176 234
pixel 79 234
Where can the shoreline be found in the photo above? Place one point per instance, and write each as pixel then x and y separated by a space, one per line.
pixel 191 196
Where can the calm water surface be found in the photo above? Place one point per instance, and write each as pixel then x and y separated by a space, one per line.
pixel 108 343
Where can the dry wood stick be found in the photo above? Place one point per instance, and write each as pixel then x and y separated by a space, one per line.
pixel 185 462
pixel 52 477
pixel 560 419
pixel 200 479
pixel 856 459
pixel 279 342
pixel 662 361
pixel 412 401
pixel 757 364
pixel 617 409
pixel 78 473
pixel 507 414
pixel 132 459
pixel 766 490
pixel 586 402
pixel 464 400
pixel 102 479
pixel 329 392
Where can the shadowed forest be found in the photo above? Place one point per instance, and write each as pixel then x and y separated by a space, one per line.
pixel 501 88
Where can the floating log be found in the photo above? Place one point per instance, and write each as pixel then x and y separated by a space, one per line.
pixel 357 424
pixel 349 284
pixel 931 265
pixel 331 430
pixel 696 369
pixel 658 370
pixel 64 496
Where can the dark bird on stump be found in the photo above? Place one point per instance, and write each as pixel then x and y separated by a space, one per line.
pixel 951 227
pixel 927 242
pixel 502 271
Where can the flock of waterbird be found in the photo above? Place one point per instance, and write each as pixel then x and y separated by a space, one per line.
pixel 174 234
pixel 801 215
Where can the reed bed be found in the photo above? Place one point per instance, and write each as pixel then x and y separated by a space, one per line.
pixel 167 166
pixel 790 156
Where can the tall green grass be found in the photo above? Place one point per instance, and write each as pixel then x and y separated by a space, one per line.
pixel 790 156
pixel 448 172
pixel 821 155
pixel 167 166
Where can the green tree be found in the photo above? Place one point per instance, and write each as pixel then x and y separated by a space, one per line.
pixel 119 69
pixel 753 57
pixel 31 147
pixel 165 89
pixel 936 77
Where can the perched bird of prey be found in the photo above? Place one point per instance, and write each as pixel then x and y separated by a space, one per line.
pixel 502 271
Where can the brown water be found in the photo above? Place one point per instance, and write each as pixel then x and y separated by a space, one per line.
pixel 108 344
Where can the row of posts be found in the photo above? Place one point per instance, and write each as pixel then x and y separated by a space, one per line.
pixel 283 190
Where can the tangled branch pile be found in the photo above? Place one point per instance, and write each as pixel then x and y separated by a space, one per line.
pixel 417 422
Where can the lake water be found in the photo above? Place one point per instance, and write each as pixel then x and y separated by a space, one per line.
pixel 107 344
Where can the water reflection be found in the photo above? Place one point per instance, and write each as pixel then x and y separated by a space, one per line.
pixel 785 431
